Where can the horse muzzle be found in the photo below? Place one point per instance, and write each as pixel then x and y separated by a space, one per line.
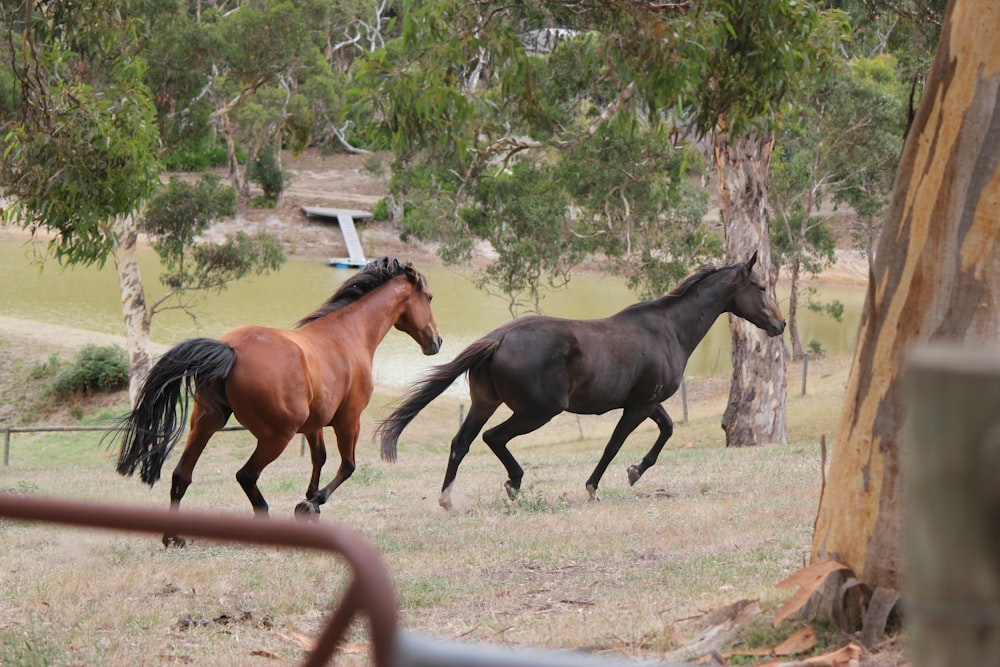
pixel 433 346
pixel 775 328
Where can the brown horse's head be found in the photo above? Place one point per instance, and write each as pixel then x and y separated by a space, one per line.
pixel 752 302
pixel 417 319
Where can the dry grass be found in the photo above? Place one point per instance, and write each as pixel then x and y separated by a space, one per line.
pixel 705 527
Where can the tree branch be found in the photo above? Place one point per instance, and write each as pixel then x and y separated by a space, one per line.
pixel 615 106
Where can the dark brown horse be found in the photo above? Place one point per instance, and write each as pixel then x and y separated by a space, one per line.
pixel 278 383
pixel 542 366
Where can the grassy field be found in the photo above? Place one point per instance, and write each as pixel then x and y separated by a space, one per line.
pixel 706 527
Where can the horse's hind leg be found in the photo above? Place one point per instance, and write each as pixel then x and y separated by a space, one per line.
pixel 267 450
pixel 498 437
pixel 666 425
pixel 204 425
pixel 479 414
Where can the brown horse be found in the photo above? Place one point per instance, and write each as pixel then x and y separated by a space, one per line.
pixel 542 366
pixel 278 383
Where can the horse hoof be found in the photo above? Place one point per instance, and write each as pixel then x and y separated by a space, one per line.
pixel 512 490
pixel 307 511
pixel 445 502
pixel 633 475
pixel 174 540
pixel 593 493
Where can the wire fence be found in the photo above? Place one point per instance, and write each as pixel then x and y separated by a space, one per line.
pixel 9 431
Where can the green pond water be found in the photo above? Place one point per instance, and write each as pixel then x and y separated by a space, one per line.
pixel 88 298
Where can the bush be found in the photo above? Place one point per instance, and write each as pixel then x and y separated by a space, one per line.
pixel 265 172
pixel 198 157
pixel 815 349
pixel 95 369
pixel 381 210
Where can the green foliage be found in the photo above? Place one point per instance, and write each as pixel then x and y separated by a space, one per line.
pixel 757 55
pixel 869 99
pixel 96 369
pixel 833 308
pixel 83 150
pixel 197 157
pixel 367 475
pixel 260 201
pixel 381 209
pixel 815 349
pixel 524 216
pixel 33 648
pixel 594 125
pixel 240 255
pixel 45 369
pixel 266 172
pixel 182 211
pixel 528 500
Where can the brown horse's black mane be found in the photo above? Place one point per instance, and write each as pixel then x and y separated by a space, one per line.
pixel 375 274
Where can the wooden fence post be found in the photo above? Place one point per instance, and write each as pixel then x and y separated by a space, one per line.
pixel 684 397
pixel 951 463
pixel 805 372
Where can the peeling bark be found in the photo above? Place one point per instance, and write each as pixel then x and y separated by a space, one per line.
pixel 756 412
pixel 936 278
pixel 135 315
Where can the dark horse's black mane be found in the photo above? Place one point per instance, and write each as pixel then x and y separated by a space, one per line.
pixel 688 283
pixel 375 274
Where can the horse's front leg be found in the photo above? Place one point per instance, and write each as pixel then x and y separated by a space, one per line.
pixel 347 427
pixel 630 419
pixel 666 425
pixel 317 452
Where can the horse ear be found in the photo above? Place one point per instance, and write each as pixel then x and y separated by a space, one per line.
pixel 411 273
pixel 748 265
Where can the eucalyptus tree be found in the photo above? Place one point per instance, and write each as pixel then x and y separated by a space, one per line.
pixel 81 159
pixel 80 156
pixel 936 278
pixel 462 99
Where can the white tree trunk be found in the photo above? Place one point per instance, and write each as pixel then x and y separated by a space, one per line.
pixel 756 411
pixel 135 315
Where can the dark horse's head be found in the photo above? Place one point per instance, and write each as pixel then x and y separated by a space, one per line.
pixel 752 301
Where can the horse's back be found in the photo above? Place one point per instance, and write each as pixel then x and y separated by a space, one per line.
pixel 586 366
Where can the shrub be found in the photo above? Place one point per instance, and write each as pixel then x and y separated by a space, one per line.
pixel 815 349
pixel 95 369
pixel 265 172
pixel 198 157
pixel 381 210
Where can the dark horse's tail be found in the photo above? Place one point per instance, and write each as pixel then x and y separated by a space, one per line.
pixel 153 427
pixel 430 387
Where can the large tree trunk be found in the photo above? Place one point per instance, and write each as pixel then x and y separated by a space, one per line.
pixel 134 312
pixel 936 277
pixel 756 410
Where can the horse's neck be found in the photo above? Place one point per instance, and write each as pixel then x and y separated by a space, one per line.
pixel 694 313
pixel 368 319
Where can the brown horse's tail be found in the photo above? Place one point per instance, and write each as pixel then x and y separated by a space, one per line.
pixel 154 426
pixel 427 389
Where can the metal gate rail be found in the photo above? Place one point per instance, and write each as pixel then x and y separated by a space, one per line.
pixel 370 591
